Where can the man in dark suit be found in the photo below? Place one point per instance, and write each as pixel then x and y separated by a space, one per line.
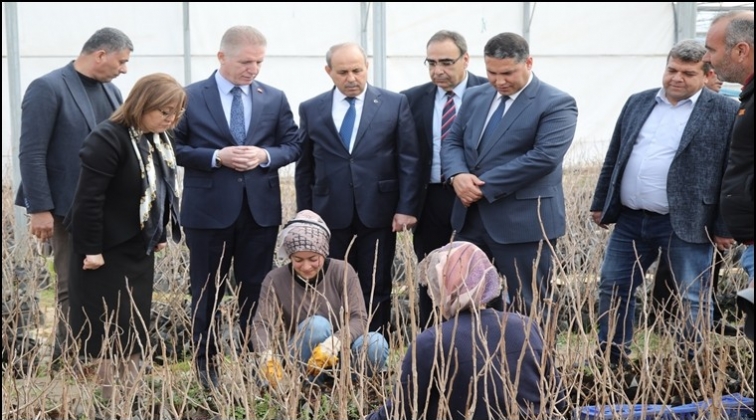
pixel 360 171
pixel 58 111
pixel 660 186
pixel 434 106
pixel 507 171
pixel 235 135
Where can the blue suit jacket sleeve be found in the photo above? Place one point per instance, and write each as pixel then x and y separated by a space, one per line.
pixel 409 162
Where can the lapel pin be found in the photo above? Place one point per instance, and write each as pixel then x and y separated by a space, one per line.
pixel 259 90
pixel 375 101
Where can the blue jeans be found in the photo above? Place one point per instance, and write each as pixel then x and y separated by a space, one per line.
pixel 746 261
pixel 371 347
pixel 633 246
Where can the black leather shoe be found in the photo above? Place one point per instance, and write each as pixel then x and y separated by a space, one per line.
pixel 208 376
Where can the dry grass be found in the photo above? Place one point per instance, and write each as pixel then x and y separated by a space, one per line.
pixel 168 389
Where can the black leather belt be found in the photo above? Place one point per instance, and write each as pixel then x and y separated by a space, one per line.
pixel 648 213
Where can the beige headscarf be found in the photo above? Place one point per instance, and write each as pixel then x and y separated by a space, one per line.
pixel 459 277
pixel 305 232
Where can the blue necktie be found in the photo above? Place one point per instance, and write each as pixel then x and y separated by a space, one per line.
pixel 493 122
pixel 348 124
pixel 237 116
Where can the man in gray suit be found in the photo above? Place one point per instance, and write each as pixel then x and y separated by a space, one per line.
pixel 434 106
pixel 660 186
pixel 58 111
pixel 503 157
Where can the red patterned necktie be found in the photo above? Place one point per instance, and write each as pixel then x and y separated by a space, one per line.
pixel 448 115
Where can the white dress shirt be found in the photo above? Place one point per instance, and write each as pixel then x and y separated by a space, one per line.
pixel 644 181
pixel 340 108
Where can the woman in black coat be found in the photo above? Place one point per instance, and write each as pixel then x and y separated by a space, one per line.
pixel 479 363
pixel 125 198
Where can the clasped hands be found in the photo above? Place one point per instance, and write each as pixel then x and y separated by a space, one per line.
pixel 242 158
pixel 467 188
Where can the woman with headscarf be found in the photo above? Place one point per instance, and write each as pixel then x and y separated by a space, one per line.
pixel 124 200
pixel 314 303
pixel 478 363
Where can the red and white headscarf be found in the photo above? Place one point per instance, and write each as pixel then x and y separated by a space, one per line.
pixel 459 277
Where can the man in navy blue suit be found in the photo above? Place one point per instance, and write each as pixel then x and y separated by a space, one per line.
pixel 434 106
pixel 58 111
pixel 234 137
pixel 503 157
pixel 360 171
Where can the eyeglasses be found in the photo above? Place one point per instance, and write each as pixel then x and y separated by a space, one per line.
pixel 446 62
pixel 169 114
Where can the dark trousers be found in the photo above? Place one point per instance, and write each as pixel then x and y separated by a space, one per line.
pixel 251 247
pixel 433 231
pixel 526 267
pixel 373 250
pixel 62 249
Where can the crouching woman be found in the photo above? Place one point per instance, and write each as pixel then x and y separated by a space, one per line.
pixel 315 304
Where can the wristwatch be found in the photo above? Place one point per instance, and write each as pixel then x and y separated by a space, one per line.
pixel 218 161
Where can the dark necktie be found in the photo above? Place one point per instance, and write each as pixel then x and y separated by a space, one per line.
pixel 237 116
pixel 493 122
pixel 348 124
pixel 448 114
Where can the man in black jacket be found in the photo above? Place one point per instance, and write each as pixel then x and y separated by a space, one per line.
pixel 729 45
pixel 434 106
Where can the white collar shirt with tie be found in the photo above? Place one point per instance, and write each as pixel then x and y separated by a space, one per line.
pixel 510 101
pixel 339 110
pixel 438 110
pixel 226 97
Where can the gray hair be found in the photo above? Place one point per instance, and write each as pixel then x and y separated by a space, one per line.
pixel 454 37
pixel 687 50
pixel 108 39
pixel 507 45
pixel 739 28
pixel 237 36
pixel 337 47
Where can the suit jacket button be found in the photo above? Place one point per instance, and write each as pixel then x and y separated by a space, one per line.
pixel 240 179
pixel 477 166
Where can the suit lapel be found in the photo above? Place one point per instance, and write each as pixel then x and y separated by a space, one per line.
pixel 369 110
pixel 523 101
pixel 428 107
pixel 79 95
pixel 695 121
pixel 325 110
pixel 258 99
pixel 634 126
pixel 215 108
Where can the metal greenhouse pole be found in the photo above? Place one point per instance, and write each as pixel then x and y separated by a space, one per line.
pixel 379 44
pixel 20 231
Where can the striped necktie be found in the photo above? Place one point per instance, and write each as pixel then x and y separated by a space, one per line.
pixel 448 115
